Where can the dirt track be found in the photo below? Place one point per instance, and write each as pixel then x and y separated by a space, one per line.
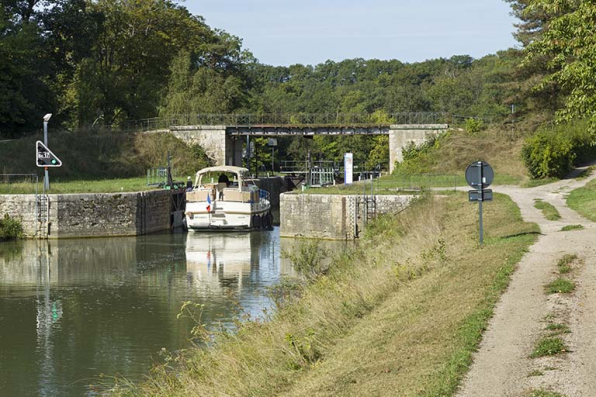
pixel 502 365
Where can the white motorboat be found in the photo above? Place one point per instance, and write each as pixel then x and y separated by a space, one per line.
pixel 225 198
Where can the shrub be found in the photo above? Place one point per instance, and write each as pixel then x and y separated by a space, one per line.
pixel 552 152
pixel 548 154
pixel 10 228
pixel 473 126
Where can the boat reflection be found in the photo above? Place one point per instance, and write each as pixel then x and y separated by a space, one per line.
pixel 221 262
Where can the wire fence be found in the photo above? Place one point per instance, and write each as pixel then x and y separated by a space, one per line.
pixel 19 184
pixel 288 119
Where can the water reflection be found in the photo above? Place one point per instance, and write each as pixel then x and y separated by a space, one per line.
pixel 73 309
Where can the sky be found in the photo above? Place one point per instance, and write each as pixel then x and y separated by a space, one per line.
pixel 285 32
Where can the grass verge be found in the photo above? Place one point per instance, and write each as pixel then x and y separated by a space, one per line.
pixel 548 210
pixel 61 186
pixel 548 346
pixel 583 200
pixel 403 311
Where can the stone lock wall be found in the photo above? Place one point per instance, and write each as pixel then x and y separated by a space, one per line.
pixel 93 215
pixel 330 216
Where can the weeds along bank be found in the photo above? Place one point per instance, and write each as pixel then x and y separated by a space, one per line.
pixel 104 154
pixel 398 315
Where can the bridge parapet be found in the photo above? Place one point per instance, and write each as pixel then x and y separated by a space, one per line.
pixel 290 119
pixel 223 142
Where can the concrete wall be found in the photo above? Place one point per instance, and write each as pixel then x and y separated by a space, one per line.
pixel 94 215
pixel 401 135
pixel 212 138
pixel 330 216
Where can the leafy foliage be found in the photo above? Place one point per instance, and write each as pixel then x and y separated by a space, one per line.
pixel 553 152
pixel 10 228
pixel 548 154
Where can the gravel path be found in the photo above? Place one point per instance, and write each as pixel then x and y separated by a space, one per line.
pixel 502 366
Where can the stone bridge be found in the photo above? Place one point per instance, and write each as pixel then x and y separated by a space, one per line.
pixel 224 141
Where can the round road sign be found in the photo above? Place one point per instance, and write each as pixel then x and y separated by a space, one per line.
pixel 479 174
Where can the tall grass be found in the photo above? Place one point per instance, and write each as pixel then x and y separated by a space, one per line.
pixel 402 311
pixel 10 228
pixel 103 155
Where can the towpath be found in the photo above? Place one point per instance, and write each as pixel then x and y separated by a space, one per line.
pixel 502 366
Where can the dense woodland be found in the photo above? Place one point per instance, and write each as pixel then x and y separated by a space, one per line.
pixel 98 64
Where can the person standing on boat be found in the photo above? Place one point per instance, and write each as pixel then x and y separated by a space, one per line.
pixel 223 178
pixel 188 184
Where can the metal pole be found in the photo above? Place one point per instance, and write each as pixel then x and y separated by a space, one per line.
pixel 46 181
pixel 481 229
pixel 481 197
pixel 272 159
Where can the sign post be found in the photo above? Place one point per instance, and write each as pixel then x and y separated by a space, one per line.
pixel 44 158
pixel 479 176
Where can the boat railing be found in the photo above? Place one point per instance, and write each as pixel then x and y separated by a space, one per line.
pixel 264 201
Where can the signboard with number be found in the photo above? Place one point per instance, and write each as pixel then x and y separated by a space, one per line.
pixel 45 157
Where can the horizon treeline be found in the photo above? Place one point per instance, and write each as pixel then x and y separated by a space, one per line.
pixel 105 62
pixel 99 64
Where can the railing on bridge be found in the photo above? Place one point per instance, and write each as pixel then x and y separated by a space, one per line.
pixel 289 119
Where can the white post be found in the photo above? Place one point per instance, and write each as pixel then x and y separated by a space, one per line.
pixel 46 119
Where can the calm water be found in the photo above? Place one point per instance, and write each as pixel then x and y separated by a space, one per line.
pixel 74 309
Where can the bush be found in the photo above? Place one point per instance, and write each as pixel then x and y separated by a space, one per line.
pixel 548 154
pixel 474 126
pixel 10 228
pixel 552 153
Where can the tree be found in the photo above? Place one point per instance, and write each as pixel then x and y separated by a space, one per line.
pixel 570 46
pixel 25 90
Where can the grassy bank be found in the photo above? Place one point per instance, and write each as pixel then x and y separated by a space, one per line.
pixel 103 155
pixel 583 200
pixel 453 151
pixel 403 312
pixel 59 186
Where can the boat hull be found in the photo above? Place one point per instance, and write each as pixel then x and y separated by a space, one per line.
pixel 227 216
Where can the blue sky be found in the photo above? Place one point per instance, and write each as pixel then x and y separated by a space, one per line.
pixel 284 32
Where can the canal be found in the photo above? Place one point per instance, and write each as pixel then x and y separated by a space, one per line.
pixel 72 310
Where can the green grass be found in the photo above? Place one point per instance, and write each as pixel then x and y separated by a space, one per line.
pixel 548 346
pixel 560 286
pixel 571 227
pixel 535 373
pixel 548 210
pixel 404 310
pixel 564 263
pixel 557 329
pixel 583 200
pixel 58 186
pixel 394 184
